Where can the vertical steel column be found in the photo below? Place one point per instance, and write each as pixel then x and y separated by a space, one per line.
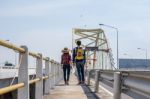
pixel 23 93
pixel 39 74
pixel 47 73
pixel 97 75
pixel 117 85
pixel 88 77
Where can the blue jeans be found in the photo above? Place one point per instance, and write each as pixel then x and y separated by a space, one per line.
pixel 66 70
pixel 80 71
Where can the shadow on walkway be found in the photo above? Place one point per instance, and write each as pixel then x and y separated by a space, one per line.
pixel 88 92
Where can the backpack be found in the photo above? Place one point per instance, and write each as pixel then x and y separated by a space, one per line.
pixel 79 53
pixel 65 58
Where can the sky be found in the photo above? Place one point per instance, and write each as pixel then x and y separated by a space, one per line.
pixel 45 26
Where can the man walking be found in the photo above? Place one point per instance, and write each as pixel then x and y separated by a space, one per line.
pixel 79 58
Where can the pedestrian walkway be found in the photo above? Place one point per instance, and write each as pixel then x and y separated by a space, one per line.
pixel 71 91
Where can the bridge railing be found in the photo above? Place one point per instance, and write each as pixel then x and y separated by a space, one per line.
pixel 122 84
pixel 43 80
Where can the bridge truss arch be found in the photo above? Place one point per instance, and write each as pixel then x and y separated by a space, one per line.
pixel 98 52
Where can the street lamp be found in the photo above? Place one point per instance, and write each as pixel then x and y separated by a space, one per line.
pixel 117 42
pixel 143 50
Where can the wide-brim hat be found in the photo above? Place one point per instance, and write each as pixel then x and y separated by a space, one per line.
pixel 65 50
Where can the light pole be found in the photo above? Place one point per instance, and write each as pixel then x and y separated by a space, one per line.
pixel 116 41
pixel 143 50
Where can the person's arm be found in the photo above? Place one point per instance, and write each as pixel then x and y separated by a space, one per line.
pixel 70 62
pixel 73 56
pixel 70 58
pixel 84 57
pixel 62 61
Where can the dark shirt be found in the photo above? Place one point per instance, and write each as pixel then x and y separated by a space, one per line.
pixel 65 59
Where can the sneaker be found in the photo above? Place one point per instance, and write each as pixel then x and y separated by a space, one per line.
pixel 79 83
pixel 82 82
pixel 67 83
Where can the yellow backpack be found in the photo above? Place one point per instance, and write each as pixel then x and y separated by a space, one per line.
pixel 79 53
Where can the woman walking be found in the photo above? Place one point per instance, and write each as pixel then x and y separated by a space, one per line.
pixel 65 61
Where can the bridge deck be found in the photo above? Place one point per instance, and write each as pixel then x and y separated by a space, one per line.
pixel 71 91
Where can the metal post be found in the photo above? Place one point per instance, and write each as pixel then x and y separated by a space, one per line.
pixel 47 81
pixel 23 93
pixel 39 74
pixel 117 50
pixel 88 77
pixel 97 75
pixel 117 85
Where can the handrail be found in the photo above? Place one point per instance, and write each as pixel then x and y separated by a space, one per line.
pixel 11 46
pixel 34 80
pixel 46 58
pixel 20 85
pixel 46 77
pixel 34 54
pixel 11 88
pixel 19 49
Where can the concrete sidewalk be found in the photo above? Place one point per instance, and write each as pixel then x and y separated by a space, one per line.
pixel 71 91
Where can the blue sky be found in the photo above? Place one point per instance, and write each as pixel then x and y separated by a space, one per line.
pixel 46 25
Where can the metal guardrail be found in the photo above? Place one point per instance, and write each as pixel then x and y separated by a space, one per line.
pixel 135 84
pixel 52 75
